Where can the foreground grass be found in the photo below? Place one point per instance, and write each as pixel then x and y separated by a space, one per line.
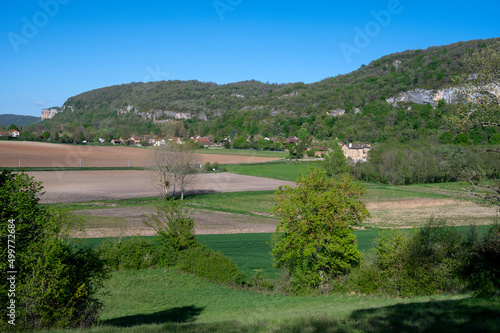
pixel 163 300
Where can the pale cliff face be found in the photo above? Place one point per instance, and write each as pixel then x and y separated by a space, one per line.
pixel 450 95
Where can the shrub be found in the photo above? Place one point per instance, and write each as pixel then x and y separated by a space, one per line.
pixel 173 225
pixel 481 265
pixel 206 263
pixel 433 259
pixel 208 167
pixel 215 165
pixel 55 283
pixel 131 254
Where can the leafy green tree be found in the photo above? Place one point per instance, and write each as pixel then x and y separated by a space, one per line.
pixel 446 138
pixel 12 127
pixel 462 138
pixel 495 139
pixel 335 163
pixel 56 284
pixel 313 241
pixel 46 135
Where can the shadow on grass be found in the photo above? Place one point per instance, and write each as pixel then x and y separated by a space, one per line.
pixel 466 315
pixel 183 314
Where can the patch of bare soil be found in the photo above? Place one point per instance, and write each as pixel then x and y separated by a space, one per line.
pixel 128 221
pixel 78 186
pixel 39 154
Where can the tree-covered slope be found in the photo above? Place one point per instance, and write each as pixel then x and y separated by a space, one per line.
pixel 252 107
pixel 14 119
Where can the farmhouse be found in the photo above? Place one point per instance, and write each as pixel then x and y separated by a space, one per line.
pixel 206 142
pixel 14 133
pixel 358 152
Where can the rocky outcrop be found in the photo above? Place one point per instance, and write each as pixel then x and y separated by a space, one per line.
pixel 450 95
pixel 49 113
pixel 423 96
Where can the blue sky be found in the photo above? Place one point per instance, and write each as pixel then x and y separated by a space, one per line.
pixel 51 50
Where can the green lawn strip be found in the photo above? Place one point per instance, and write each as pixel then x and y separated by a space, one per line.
pixel 276 170
pixel 248 203
pixel 159 300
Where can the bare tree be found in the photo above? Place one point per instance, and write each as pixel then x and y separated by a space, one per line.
pixel 174 165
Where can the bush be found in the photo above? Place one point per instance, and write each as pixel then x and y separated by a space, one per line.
pixel 206 263
pixel 173 225
pixel 481 265
pixel 131 254
pixel 434 259
pixel 55 283
pixel 208 167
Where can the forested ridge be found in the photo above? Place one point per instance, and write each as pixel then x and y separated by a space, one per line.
pixel 253 108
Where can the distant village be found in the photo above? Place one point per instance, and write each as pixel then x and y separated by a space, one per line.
pixel 357 152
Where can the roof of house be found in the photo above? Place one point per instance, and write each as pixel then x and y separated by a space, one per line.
pixel 205 141
pixel 358 146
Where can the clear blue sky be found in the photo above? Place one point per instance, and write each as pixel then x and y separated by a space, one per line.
pixel 51 50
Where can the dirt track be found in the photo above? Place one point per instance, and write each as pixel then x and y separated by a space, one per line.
pixel 39 154
pixel 75 186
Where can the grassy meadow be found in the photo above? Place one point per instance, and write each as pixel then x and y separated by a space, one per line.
pixel 166 300
pixel 163 300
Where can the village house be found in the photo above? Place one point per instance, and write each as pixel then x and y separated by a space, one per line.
pixel 176 139
pixel 134 139
pixel 206 142
pixel 148 140
pixel 358 152
pixel 159 142
pixel 292 139
pixel 14 133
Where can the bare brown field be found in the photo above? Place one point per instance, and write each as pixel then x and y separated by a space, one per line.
pixel 77 186
pixel 127 221
pixel 39 154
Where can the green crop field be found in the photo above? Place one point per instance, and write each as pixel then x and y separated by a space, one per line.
pixel 252 252
pixel 275 170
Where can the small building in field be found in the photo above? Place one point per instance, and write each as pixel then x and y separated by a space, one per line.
pixel 358 152
pixel 14 133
